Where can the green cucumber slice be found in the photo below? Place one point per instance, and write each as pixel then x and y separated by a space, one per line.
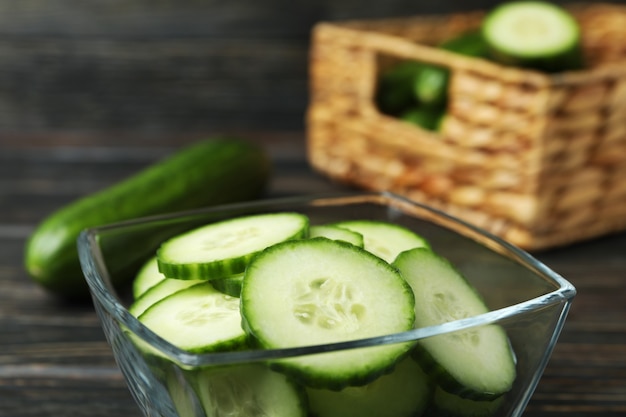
pixel 197 319
pixel 223 249
pixel 336 233
pixel 317 291
pixel 229 285
pixel 474 363
pixel 249 390
pixel 147 277
pixel 405 392
pixel 445 404
pixel 533 34
pixel 161 290
pixel 383 239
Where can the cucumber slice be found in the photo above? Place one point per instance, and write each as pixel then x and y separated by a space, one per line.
pixel 317 291
pixel 183 398
pixel 445 404
pixel 229 285
pixel 383 239
pixel 474 363
pixel 161 290
pixel 249 390
pixel 405 392
pixel 223 249
pixel 147 277
pixel 336 233
pixel 533 34
pixel 197 319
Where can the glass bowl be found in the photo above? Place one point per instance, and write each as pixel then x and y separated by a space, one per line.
pixel 526 299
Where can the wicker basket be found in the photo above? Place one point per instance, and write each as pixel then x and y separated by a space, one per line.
pixel 537 159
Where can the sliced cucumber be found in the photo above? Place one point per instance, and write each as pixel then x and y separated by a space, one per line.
pixel 223 249
pixel 161 290
pixel 405 392
pixel 336 233
pixel 445 404
pixel 249 390
pixel 317 291
pixel 147 277
pixel 533 34
pixel 474 363
pixel 197 319
pixel 385 239
pixel 229 285
pixel 183 397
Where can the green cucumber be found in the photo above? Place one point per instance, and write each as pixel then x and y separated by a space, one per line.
pixel 445 404
pixel 533 34
pixel 147 277
pixel 336 233
pixel 395 87
pixel 384 239
pixel 197 319
pixel 431 82
pixel 476 363
pixel 229 285
pixel 404 392
pixel 316 291
pixel 161 290
pixel 210 172
pixel 248 390
pixel 223 249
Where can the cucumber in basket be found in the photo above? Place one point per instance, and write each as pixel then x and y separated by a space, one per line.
pixel 316 291
pixel 396 85
pixel 533 34
pixel 431 84
pixel 210 172
pixel 429 118
pixel 476 363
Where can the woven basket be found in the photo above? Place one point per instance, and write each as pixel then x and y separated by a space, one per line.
pixel 538 159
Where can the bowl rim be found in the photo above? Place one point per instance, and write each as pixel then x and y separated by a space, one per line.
pixel 93 268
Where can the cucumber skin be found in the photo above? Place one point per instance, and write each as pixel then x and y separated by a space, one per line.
pixel 446 381
pixel 210 172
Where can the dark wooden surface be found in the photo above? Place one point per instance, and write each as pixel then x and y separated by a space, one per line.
pixel 54 360
pixel 169 64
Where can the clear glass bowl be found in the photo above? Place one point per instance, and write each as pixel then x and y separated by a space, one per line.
pixel 526 298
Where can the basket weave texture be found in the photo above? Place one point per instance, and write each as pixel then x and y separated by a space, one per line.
pixel 537 159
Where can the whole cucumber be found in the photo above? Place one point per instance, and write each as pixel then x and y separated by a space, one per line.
pixel 214 171
pixel 431 85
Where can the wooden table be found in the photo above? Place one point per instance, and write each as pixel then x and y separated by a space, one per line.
pixel 54 360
